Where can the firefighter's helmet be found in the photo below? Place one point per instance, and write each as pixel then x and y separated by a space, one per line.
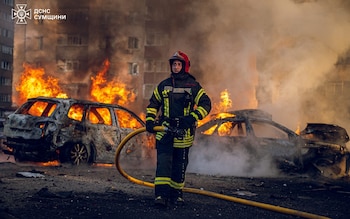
pixel 178 55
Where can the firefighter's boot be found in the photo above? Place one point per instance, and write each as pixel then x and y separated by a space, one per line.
pixel 160 202
pixel 177 198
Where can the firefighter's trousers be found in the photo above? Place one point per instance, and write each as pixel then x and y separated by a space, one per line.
pixel 171 168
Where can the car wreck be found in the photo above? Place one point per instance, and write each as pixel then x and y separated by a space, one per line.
pixel 319 148
pixel 71 130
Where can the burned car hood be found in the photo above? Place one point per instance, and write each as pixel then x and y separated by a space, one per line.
pixel 325 132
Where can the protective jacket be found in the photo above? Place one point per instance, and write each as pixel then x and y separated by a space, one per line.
pixel 176 97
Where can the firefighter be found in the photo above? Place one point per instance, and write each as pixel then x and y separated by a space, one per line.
pixel 178 102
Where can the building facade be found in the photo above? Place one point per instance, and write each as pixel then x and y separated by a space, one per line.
pixel 135 36
pixel 6 56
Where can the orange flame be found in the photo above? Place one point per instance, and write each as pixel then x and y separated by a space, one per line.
pixel 225 102
pixel 110 91
pixel 220 109
pixel 34 83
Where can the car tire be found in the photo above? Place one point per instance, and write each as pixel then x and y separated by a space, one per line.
pixel 76 153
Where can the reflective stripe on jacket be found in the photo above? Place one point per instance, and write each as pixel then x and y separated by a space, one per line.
pixel 178 97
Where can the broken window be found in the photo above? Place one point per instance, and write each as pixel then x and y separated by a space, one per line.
pixel 126 119
pixel 210 130
pixel 39 108
pixel 99 115
pixel 232 129
pixel 76 112
pixel 265 130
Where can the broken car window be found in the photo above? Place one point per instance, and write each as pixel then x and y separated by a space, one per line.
pixel 76 112
pixel 127 120
pixel 100 115
pixel 41 109
pixel 266 130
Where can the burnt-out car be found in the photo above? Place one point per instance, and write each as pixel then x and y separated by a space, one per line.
pixel 320 147
pixel 71 130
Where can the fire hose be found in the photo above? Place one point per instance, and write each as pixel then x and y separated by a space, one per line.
pixel 203 192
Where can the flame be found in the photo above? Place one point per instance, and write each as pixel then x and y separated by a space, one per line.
pixel 109 91
pixel 220 109
pixel 50 163
pixel 225 102
pixel 297 131
pixel 34 83
pixel 76 112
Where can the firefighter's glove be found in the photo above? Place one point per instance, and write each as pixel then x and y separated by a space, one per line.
pixel 187 122
pixel 150 126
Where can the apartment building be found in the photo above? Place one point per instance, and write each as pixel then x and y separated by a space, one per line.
pixel 6 56
pixel 74 47
pixel 136 36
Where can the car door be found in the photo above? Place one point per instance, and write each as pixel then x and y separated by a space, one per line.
pixel 140 147
pixel 272 139
pixel 102 132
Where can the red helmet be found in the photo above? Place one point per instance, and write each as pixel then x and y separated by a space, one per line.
pixel 181 57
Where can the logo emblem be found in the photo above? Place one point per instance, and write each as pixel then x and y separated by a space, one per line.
pixel 21 13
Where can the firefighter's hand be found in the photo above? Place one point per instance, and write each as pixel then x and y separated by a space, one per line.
pixel 187 122
pixel 150 126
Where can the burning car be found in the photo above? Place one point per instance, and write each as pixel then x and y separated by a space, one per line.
pixel 320 147
pixel 70 130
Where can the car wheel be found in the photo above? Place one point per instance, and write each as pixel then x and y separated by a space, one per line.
pixel 77 154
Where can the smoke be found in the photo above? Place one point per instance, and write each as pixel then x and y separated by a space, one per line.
pixel 294 45
pixel 276 55
pixel 224 159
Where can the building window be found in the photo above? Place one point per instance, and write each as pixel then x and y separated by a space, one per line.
pixel 5 81
pixel 156 39
pixel 133 43
pixel 68 65
pixel 5 16
pixel 6 49
pixel 6 33
pixel 8 2
pixel 132 18
pixel 70 40
pixel 156 66
pixel 38 64
pixel 6 65
pixel 133 68
pixel 40 43
pixel 5 98
pixel 336 88
pixel 74 40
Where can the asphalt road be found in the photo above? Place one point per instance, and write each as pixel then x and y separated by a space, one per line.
pixel 31 190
